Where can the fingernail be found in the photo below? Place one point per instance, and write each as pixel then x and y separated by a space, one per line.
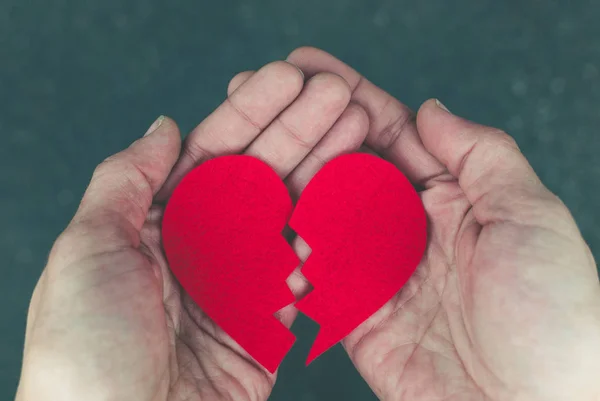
pixel 299 69
pixel 441 105
pixel 155 125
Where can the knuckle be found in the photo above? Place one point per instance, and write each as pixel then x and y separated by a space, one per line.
pixel 136 190
pixel 67 246
pixel 197 153
pixel 502 139
pixel 295 135
pixel 114 165
pixel 105 166
pixel 239 110
pixel 133 181
pixel 63 241
pixel 559 208
pixel 130 186
pixel 497 148
pixel 393 130
pixel 317 159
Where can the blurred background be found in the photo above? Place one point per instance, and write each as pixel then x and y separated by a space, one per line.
pixel 82 79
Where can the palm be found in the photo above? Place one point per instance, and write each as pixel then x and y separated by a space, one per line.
pixel 468 325
pixel 201 360
pixel 409 344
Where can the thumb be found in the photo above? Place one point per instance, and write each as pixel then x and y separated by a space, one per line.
pixel 491 170
pixel 116 202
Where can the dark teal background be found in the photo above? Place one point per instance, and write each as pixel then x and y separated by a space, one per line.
pixel 82 79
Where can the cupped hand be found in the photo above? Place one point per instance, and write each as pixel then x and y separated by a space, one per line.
pixel 107 319
pixel 506 303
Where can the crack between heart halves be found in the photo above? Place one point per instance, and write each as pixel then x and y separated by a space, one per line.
pixel 306 291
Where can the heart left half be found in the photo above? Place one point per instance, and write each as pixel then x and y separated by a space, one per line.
pixel 222 235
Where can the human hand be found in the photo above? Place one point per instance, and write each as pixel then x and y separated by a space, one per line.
pixel 107 319
pixel 505 304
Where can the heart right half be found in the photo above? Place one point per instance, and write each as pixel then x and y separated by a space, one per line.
pixel 367 229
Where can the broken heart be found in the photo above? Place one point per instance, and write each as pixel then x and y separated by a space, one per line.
pixel 222 234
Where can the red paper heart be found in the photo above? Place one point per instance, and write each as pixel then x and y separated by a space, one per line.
pixel 222 236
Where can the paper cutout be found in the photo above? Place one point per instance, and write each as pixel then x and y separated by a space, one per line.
pixel 367 229
pixel 222 234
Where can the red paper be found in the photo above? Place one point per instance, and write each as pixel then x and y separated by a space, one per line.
pixel 366 227
pixel 222 235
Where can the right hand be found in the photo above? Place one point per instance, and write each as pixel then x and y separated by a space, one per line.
pixel 505 304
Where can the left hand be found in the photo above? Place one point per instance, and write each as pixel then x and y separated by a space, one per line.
pixel 505 302
pixel 107 319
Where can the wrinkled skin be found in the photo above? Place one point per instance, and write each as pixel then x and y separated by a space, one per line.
pixel 504 306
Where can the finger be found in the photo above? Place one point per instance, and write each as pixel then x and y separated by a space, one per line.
pixel 120 193
pixel 346 136
pixel 238 80
pixel 494 175
pixel 301 126
pixel 367 150
pixel 393 131
pixel 239 120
